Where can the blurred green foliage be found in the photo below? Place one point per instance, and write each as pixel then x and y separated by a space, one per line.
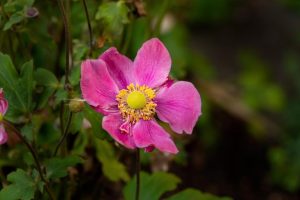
pixel 257 94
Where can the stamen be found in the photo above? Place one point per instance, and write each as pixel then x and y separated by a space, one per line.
pixel 136 102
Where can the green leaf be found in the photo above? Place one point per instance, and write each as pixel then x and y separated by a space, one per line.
pixel 95 119
pixel 25 84
pixel 15 91
pixel 49 84
pixel 152 186
pixel 57 167
pixel 22 186
pixel 114 15
pixel 112 168
pixel 195 195
pixel 14 19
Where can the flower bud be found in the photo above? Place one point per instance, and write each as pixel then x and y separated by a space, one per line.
pixel 76 105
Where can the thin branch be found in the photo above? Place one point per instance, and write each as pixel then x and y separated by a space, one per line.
pixel 69 61
pixel 89 27
pixel 65 133
pixel 34 155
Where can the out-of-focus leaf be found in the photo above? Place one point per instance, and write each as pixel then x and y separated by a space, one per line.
pixel 27 131
pixel 114 15
pixel 195 195
pixel 95 119
pixel 112 168
pixel 151 186
pixel 57 167
pixel 49 84
pixel 14 19
pixel 22 186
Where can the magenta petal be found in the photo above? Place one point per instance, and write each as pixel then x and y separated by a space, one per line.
pixel 119 67
pixel 112 123
pixel 3 103
pixel 3 135
pixel 148 133
pixel 152 64
pixel 98 88
pixel 180 106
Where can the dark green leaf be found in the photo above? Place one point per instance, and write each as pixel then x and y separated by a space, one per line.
pixel 152 186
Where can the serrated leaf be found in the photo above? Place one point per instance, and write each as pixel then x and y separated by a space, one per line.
pixel 195 195
pixel 112 168
pixel 14 91
pixel 57 167
pixel 48 81
pixel 151 186
pixel 22 186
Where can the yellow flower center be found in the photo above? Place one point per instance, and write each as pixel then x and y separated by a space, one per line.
pixel 1 117
pixel 136 102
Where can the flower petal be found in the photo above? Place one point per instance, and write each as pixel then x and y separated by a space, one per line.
pixel 119 67
pixel 149 133
pixel 3 102
pixel 180 106
pixel 97 87
pixel 112 123
pixel 3 135
pixel 152 64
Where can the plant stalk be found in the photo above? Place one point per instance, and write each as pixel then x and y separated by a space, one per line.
pixel 89 28
pixel 34 155
pixel 138 169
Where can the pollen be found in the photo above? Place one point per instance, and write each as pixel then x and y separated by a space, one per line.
pixel 136 102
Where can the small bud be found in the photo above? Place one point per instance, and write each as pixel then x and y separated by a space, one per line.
pixel 76 105
pixel 32 12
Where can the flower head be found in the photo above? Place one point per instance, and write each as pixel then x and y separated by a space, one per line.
pixel 3 109
pixel 131 93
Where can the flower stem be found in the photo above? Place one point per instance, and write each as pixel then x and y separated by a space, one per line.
pixel 89 27
pixel 68 42
pixel 64 134
pixel 138 169
pixel 34 155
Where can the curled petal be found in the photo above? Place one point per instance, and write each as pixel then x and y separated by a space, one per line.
pixel 3 135
pixel 3 102
pixel 147 134
pixel 180 106
pixel 112 124
pixel 98 88
pixel 152 64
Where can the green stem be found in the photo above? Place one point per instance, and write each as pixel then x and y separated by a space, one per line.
pixel 138 169
pixel 35 157
pixel 69 61
pixel 89 27
pixel 160 18
pixel 63 137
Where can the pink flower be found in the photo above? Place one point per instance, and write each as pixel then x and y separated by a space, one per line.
pixel 3 109
pixel 130 94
